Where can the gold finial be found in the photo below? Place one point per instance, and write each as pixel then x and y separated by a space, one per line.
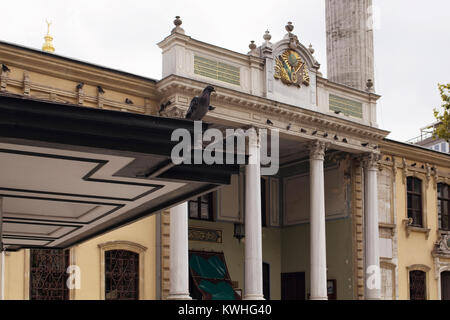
pixel 48 45
pixel 48 26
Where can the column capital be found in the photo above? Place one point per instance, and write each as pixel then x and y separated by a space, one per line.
pixel 317 150
pixel 371 161
pixel 253 136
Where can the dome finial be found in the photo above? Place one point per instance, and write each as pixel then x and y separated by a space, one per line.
pixel 177 22
pixel 289 27
pixel 267 37
pixel 48 45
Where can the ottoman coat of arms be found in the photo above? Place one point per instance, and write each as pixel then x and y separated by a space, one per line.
pixel 291 69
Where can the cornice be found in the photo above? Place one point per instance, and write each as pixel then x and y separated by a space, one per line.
pixel 341 87
pixel 68 69
pixel 192 43
pixel 418 153
pixel 269 107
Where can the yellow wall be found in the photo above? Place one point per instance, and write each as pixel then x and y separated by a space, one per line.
pixel 15 273
pixel 415 249
pixel 87 258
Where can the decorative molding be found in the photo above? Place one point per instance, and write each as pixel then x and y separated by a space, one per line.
pixel 27 271
pixel 317 150
pixel 358 230
pixel 165 254
pixel 303 118
pixel 418 267
pixel 205 235
pixel 26 84
pixel 371 161
pixel 410 228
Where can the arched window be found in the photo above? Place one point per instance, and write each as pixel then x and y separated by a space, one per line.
pixel 414 195
pixel 443 206
pixel 417 285
pixel 121 275
pixel 122 270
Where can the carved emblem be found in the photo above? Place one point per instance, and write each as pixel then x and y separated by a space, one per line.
pixel 205 235
pixel 291 69
pixel 443 244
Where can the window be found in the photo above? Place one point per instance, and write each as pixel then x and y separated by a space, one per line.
pixel 443 206
pixel 444 147
pixel 417 285
pixel 48 274
pixel 414 195
pixel 121 275
pixel 201 208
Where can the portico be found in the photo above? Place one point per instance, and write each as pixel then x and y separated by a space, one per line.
pixel 316 170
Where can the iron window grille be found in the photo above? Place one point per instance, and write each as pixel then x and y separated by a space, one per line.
pixel 48 275
pixel 417 285
pixel 121 275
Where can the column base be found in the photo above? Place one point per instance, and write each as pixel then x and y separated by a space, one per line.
pixel 318 298
pixel 179 296
pixel 253 297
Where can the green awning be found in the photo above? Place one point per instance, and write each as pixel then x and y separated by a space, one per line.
pixel 210 276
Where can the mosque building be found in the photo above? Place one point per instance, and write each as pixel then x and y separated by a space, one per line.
pixel 93 207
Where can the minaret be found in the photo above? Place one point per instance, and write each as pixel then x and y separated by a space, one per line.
pixel 48 45
pixel 350 54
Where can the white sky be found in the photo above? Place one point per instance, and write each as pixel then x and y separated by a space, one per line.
pixel 412 40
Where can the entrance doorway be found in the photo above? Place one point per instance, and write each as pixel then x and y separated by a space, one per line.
pixel 293 286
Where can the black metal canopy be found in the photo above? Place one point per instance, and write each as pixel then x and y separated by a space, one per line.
pixel 69 173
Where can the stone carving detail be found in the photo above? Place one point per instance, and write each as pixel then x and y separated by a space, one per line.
pixel 205 235
pixel 291 69
pixel 371 161
pixel 26 84
pixel 442 246
pixel 3 80
pixel 317 150
pixel 173 112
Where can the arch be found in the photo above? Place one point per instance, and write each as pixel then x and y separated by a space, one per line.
pixel 122 246
pixel 442 267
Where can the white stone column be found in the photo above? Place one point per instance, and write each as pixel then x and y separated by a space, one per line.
pixel 373 272
pixel 179 253
pixel 318 245
pixel 253 230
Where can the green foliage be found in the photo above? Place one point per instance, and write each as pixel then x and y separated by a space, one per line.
pixel 443 116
